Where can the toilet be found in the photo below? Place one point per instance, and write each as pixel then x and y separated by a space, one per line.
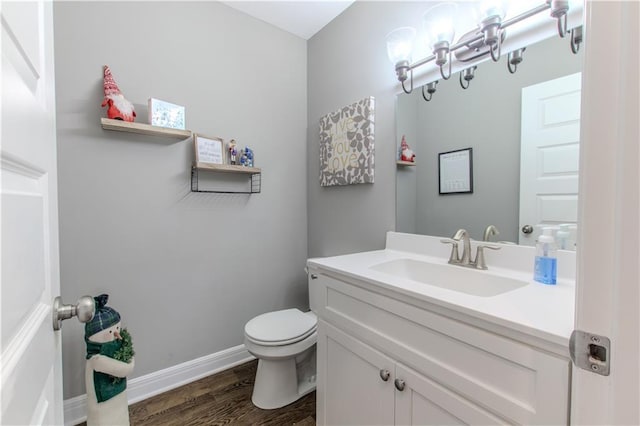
pixel 285 344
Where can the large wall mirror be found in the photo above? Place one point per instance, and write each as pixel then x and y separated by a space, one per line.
pixel 486 117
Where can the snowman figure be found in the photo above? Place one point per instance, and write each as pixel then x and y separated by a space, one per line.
pixel 109 361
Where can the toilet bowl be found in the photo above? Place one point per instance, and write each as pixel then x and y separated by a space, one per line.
pixel 285 344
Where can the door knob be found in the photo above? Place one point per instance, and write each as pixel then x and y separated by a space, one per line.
pixel 84 309
pixel 399 384
pixel 384 375
pixel 527 229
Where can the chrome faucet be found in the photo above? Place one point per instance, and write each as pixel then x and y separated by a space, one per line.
pixel 491 230
pixel 454 259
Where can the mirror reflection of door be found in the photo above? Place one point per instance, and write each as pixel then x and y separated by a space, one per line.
pixel 549 156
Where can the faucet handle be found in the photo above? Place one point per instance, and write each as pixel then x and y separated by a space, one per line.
pixel 480 261
pixel 453 257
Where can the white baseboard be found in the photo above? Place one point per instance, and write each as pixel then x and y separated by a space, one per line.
pixel 143 387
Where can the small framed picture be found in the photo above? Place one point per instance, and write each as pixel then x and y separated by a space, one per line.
pixel 455 169
pixel 208 149
pixel 166 114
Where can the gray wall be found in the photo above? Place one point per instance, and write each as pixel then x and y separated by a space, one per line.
pixel 347 62
pixel 185 270
pixel 485 117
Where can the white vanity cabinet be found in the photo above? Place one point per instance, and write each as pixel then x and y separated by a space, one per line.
pixel 384 358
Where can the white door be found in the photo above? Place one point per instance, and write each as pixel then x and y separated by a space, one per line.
pixel 549 155
pixel 608 284
pixel 31 368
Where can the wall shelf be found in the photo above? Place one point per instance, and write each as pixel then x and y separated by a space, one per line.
pixel 405 163
pixel 254 173
pixel 144 129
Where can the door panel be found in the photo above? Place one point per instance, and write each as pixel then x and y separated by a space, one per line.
pixel 353 391
pixel 31 379
pixel 426 402
pixel 549 154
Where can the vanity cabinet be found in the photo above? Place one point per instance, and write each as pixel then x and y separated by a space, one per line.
pixel 443 367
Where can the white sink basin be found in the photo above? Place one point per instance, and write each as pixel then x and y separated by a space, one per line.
pixel 456 278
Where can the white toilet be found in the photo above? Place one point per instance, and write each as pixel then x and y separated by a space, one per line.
pixel 285 344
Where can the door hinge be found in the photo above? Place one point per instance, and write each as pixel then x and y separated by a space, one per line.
pixel 590 352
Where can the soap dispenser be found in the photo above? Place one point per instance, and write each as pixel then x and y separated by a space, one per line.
pixel 546 261
pixel 564 237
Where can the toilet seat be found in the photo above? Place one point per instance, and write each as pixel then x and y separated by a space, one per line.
pixel 281 327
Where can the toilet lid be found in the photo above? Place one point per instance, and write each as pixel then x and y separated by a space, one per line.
pixel 280 326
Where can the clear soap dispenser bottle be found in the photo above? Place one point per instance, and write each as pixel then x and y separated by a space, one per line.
pixel 546 262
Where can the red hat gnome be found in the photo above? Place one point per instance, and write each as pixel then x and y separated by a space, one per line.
pixel 109 361
pixel 119 107
pixel 406 153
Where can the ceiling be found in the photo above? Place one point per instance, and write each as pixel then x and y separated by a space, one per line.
pixel 303 18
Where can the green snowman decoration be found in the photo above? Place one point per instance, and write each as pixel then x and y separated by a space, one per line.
pixel 109 361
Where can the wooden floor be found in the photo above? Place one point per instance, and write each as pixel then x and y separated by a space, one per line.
pixel 221 399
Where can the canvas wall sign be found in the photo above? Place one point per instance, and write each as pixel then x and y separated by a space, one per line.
pixel 347 144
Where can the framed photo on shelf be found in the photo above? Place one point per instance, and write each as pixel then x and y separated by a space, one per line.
pixel 166 114
pixel 455 172
pixel 209 150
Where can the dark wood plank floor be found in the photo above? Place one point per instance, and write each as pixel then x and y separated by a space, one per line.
pixel 221 399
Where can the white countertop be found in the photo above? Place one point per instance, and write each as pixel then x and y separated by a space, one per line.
pixel 539 310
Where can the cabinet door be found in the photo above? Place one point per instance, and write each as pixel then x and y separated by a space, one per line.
pixel 351 388
pixel 425 402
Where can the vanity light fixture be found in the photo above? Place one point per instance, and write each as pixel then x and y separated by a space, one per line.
pixel 439 25
pixel 467 75
pixel 431 89
pixel 513 59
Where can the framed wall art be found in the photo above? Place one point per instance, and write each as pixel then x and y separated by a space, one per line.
pixel 208 150
pixel 455 171
pixel 347 144
pixel 166 114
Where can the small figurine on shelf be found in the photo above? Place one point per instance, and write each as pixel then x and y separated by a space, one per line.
pixel 119 107
pixel 248 152
pixel 243 158
pixel 406 154
pixel 233 152
pixel 109 361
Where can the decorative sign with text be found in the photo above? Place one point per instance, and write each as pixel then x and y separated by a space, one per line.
pixel 347 144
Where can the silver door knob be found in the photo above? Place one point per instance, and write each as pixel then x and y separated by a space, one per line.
pixel 84 309
pixel 384 375
pixel 399 384
pixel 527 229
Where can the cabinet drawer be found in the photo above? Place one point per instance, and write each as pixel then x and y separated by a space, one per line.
pixel 517 381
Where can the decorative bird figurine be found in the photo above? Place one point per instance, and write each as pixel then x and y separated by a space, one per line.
pixel 406 153
pixel 119 107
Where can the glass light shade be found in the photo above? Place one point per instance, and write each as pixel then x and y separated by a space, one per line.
pixel 439 23
pixel 491 9
pixel 400 44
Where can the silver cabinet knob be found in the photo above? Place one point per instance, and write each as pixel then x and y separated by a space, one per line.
pixel 384 375
pixel 84 309
pixel 527 229
pixel 314 277
pixel 399 384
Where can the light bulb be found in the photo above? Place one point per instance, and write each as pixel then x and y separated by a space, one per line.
pixel 491 9
pixel 439 24
pixel 400 44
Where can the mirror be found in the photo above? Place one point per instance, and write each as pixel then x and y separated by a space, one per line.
pixel 487 118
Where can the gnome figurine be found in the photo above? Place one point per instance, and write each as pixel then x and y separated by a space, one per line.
pixel 109 361
pixel 406 153
pixel 119 107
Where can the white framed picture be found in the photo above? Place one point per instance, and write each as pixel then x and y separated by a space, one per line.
pixel 209 150
pixel 166 114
